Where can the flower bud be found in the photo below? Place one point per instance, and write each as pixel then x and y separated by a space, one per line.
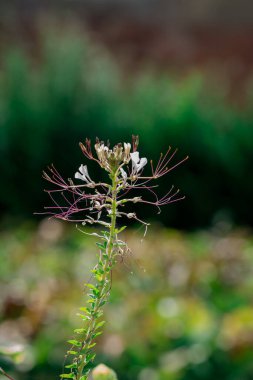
pixel 102 372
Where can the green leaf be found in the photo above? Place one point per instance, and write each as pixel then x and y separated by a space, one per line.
pixel 92 345
pixel 84 309
pixel 118 231
pixel 80 331
pixel 99 277
pixel 102 246
pixel 75 342
pixel 90 357
pixel 71 352
pixel 99 314
pixel 90 286
pixel 100 324
pixel 95 335
pixel 68 375
pixel 74 365
pixel 84 351
pixel 88 366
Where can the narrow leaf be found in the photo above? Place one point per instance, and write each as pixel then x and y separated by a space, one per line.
pixel 68 375
pixel 74 365
pixel 80 331
pixel 75 342
pixel 118 231
pixel 100 324
pixel 71 352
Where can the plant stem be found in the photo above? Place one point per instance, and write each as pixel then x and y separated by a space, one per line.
pixel 101 291
pixel 5 374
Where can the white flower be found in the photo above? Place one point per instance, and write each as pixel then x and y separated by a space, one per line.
pixel 138 164
pixel 127 148
pixel 123 174
pixel 83 175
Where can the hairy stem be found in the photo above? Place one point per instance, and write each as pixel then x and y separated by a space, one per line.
pixel 83 355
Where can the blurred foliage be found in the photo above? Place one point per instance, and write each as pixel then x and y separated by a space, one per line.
pixel 181 304
pixel 71 88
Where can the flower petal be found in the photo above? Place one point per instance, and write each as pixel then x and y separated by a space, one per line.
pixel 142 163
pixel 135 157
pixel 83 174
pixel 123 173
pixel 80 176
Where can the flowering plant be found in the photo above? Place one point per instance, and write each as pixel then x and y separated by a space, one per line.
pixel 102 203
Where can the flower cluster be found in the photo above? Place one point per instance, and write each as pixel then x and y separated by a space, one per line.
pixel 89 200
pixel 112 158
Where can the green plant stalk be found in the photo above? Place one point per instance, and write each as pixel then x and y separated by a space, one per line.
pixel 102 198
pixel 86 203
pixel 83 356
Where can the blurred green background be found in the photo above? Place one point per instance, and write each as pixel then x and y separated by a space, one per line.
pixel 175 75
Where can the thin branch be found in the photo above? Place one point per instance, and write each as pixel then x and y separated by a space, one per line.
pixel 5 374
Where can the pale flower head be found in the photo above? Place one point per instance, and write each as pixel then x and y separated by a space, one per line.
pixel 112 158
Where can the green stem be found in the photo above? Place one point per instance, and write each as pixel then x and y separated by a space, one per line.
pixel 106 263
